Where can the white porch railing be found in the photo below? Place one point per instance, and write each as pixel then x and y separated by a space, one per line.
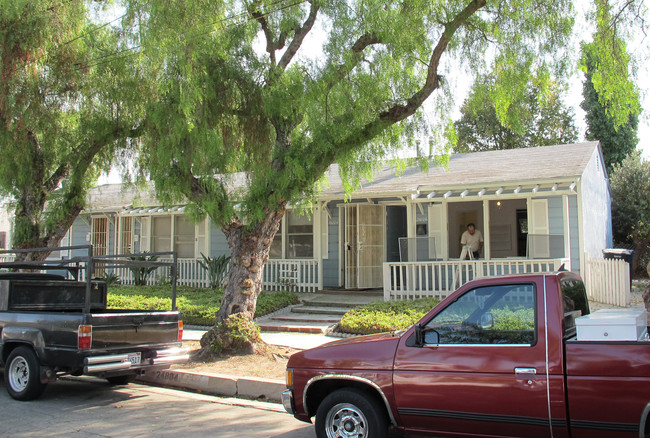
pixel 297 275
pixel 608 281
pixel 438 279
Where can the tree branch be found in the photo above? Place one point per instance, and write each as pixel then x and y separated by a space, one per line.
pixel 270 46
pixel 299 37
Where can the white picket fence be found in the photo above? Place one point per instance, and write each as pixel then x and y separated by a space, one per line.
pixel 608 281
pixel 438 279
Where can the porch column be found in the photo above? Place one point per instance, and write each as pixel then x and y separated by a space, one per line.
pixel 410 229
pixel 567 229
pixel 486 229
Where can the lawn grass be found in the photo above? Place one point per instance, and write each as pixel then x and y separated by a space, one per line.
pixel 197 305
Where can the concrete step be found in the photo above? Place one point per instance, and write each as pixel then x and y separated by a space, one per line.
pixel 307 317
pixel 298 327
pixel 320 310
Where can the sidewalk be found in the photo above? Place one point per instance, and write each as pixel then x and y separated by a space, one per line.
pixel 231 386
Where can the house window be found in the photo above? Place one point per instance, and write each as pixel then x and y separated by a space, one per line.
pixel 276 247
pixel 161 232
pixel 295 236
pixel 300 236
pixel 3 239
pixel 99 238
pixel 184 237
pixel 126 235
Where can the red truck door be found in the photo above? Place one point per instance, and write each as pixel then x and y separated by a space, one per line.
pixel 482 369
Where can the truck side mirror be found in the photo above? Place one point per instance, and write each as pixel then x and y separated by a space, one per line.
pixel 425 335
pixel 419 332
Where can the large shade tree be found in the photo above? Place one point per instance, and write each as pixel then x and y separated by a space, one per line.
pixel 256 99
pixel 63 108
pixel 536 118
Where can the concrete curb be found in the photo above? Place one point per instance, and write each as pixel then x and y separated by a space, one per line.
pixel 218 384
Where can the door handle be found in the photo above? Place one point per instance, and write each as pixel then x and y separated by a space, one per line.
pixel 525 371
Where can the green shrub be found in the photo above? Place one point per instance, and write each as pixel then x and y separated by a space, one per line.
pixel 385 316
pixel 235 335
pixel 198 305
pixel 269 302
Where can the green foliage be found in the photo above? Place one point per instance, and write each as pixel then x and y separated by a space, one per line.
pixel 507 319
pixel 110 278
pixel 269 302
pixel 235 335
pixel 606 64
pixel 385 316
pixel 630 188
pixel 62 113
pixel 617 138
pixel 538 118
pixel 198 305
pixel 141 274
pixel 217 268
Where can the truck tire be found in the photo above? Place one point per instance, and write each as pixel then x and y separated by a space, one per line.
pixel 121 380
pixel 22 374
pixel 350 413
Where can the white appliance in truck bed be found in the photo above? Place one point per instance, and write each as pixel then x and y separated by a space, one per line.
pixel 613 325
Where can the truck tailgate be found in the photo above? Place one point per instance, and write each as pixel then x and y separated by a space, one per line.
pixel 124 329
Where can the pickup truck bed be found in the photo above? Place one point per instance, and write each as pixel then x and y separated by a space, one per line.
pixel 51 325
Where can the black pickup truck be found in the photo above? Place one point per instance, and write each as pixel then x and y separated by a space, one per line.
pixel 52 325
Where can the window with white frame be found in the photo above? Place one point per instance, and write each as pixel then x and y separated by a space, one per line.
pixel 184 237
pixel 295 237
pixel 161 233
pixel 300 236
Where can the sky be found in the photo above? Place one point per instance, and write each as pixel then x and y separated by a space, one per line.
pixel 638 48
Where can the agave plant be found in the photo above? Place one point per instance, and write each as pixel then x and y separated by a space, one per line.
pixel 217 268
pixel 140 274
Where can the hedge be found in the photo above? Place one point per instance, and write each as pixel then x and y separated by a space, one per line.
pixel 197 305
pixel 385 316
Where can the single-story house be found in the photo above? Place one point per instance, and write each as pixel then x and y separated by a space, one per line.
pixel 537 208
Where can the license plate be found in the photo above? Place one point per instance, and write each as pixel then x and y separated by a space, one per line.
pixel 135 358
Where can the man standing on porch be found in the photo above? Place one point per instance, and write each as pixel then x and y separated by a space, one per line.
pixel 472 238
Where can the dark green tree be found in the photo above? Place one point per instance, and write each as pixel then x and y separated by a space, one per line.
pixel 63 110
pixel 612 116
pixel 630 187
pixel 538 118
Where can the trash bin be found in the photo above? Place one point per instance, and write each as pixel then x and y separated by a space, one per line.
pixel 621 254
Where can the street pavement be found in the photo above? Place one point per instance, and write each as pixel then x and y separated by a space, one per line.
pixel 89 407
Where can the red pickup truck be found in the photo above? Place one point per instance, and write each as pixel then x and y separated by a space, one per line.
pixel 498 357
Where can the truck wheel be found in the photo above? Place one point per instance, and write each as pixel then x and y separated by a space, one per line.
pixel 350 413
pixel 22 374
pixel 121 380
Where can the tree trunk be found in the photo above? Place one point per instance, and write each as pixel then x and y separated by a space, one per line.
pixel 249 252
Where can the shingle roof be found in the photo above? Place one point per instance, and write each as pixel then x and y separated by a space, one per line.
pixel 489 168
pixel 492 168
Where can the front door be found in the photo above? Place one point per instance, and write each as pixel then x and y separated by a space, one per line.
pixel 365 226
pixel 482 369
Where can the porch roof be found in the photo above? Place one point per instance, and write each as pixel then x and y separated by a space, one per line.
pixel 515 172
